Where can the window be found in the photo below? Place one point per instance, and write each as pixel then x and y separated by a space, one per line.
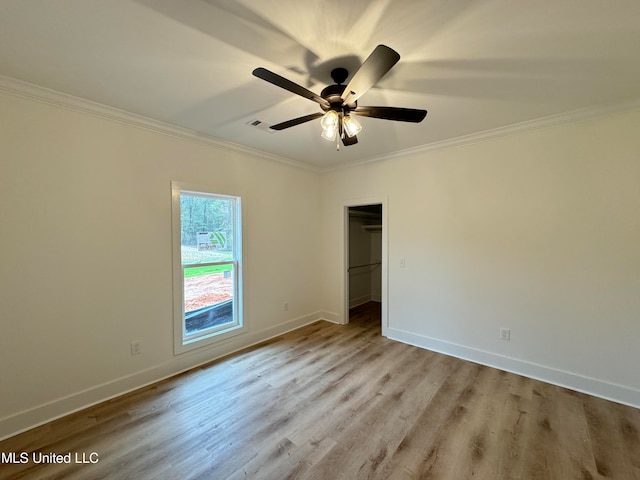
pixel 207 266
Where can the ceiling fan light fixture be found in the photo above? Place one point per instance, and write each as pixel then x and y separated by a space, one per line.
pixel 329 133
pixel 351 126
pixel 330 120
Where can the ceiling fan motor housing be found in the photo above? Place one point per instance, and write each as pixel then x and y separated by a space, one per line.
pixel 333 93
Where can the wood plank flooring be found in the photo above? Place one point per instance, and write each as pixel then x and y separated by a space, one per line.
pixel 341 402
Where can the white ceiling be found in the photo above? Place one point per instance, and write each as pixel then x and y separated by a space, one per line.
pixel 474 65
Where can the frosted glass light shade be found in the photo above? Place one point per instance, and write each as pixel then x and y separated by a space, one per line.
pixel 351 126
pixel 329 133
pixel 330 120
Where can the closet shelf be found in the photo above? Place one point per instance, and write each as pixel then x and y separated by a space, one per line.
pixel 372 228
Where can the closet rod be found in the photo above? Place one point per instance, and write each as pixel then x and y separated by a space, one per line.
pixel 365 265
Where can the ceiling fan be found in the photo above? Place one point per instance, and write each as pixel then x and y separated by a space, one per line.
pixel 338 102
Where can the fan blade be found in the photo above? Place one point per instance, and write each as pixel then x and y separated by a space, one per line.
pixel 296 121
pixel 392 113
pixel 373 69
pixel 347 140
pixel 282 82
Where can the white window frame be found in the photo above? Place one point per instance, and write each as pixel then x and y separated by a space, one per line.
pixel 184 342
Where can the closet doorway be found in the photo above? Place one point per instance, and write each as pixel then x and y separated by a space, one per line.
pixel 365 259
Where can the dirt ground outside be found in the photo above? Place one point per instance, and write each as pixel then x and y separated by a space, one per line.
pixel 206 290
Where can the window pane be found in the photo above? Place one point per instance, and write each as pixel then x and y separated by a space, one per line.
pixel 206 229
pixel 208 297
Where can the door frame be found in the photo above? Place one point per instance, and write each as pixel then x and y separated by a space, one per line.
pixel 384 288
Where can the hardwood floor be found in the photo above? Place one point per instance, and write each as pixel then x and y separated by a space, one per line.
pixel 341 402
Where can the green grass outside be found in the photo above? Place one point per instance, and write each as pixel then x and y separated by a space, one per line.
pixel 198 271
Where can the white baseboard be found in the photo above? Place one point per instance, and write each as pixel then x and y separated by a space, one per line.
pixel 332 317
pixel 355 302
pixel 598 388
pixel 33 417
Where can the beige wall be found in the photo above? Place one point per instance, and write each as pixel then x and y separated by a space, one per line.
pixel 85 242
pixel 538 232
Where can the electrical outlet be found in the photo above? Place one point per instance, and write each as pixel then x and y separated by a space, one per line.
pixel 402 262
pixel 505 334
pixel 285 306
pixel 135 348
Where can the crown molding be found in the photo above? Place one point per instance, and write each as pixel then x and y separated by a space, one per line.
pixel 45 95
pixel 573 116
